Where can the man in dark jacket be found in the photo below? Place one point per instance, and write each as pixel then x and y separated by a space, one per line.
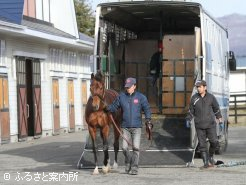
pixel 204 108
pixel 155 64
pixel 132 103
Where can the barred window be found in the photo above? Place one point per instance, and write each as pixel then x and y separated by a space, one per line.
pixel 86 62
pixel 72 61
pixel 56 59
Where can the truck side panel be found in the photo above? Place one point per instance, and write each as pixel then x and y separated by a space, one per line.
pixel 215 62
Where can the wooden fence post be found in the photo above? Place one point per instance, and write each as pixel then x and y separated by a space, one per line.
pixel 235 108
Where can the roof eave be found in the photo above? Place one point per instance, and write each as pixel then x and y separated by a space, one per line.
pixel 11 25
pixel 24 31
pixel 85 42
pixel 59 39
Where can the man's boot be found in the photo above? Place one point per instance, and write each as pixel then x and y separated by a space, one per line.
pixel 127 168
pixel 204 156
pixel 211 159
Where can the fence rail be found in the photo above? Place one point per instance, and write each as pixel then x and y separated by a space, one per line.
pixel 238 103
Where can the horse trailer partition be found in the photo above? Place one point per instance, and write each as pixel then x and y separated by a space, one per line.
pixel 194 46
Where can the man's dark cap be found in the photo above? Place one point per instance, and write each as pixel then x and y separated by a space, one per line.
pixel 200 83
pixel 129 82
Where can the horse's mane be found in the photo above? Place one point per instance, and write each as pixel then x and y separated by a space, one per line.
pixel 99 76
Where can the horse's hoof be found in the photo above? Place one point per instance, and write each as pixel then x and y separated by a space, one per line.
pixel 105 169
pixel 115 165
pixel 95 172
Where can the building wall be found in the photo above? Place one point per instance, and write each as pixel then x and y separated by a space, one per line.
pixel 238 85
pixel 12 98
pixel 63 103
pixel 47 121
pixel 237 82
pixel 17 46
pixel 61 13
pixel 78 103
pixel 43 10
pixel 49 66
pixel 63 16
pixel 12 11
pixel 29 8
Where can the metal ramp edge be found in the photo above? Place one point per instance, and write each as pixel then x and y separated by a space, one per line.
pixel 170 146
pixel 148 158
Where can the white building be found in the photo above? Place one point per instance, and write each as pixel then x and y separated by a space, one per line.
pixel 45 69
pixel 238 82
pixel 238 77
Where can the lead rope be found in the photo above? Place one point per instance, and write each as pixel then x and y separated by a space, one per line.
pixel 117 128
pixel 123 137
pixel 115 125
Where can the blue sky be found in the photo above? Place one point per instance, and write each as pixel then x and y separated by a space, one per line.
pixel 216 8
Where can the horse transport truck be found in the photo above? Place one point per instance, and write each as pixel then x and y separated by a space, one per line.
pixel 192 46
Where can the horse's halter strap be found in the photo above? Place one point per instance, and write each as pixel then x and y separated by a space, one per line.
pixel 101 97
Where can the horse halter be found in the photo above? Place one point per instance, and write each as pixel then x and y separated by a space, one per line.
pixel 101 97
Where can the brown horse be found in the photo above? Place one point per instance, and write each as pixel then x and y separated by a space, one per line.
pixel 96 117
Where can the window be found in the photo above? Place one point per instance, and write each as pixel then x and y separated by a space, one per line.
pixel 56 58
pixel 72 61
pixel 86 62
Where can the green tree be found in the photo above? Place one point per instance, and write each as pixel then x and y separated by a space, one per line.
pixel 85 17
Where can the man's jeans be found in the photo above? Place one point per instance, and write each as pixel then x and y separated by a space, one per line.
pixel 133 136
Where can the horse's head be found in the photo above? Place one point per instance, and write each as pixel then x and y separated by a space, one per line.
pixel 97 89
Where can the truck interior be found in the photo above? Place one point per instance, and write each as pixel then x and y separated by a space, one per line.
pixel 133 31
pixel 139 17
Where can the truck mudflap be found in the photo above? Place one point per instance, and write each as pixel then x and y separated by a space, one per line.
pixel 171 145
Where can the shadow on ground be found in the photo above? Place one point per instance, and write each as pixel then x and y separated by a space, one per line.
pixel 53 156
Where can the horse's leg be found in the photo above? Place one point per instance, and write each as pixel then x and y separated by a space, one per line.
pixel 105 135
pixel 116 145
pixel 92 131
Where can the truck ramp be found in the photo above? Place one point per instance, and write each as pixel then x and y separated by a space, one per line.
pixel 170 146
